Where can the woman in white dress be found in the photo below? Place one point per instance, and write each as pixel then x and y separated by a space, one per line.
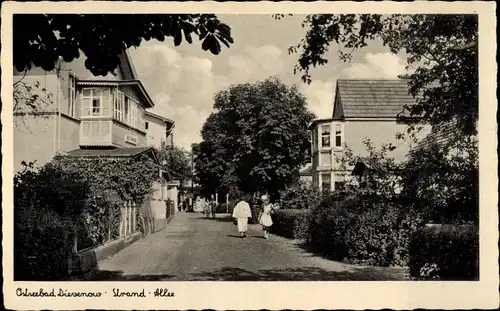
pixel 241 213
pixel 265 215
pixel 198 205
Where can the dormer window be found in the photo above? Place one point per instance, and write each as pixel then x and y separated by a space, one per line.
pixel 325 135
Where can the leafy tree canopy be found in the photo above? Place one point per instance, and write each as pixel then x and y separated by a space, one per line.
pixel 41 39
pixel 175 161
pixel 256 140
pixel 441 48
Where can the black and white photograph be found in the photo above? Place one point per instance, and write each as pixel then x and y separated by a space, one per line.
pixel 172 147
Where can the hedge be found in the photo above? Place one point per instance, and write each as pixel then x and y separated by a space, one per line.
pixel 42 245
pixel 445 252
pixel 291 223
pixel 48 202
pixel 362 229
pixel 300 195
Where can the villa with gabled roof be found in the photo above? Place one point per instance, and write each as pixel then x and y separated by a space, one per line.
pixel 84 112
pixel 362 109
pixel 87 117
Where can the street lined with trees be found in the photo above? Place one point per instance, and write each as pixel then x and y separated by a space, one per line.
pixel 256 139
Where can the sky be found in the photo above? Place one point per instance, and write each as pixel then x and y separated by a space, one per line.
pixel 183 80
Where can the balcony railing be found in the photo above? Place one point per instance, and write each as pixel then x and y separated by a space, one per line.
pixel 96 133
pixel 109 132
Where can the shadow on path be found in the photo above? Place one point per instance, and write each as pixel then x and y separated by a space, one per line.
pixel 258 237
pixel 295 274
pixel 105 275
pixel 221 218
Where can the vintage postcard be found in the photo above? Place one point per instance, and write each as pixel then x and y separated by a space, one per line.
pixel 240 156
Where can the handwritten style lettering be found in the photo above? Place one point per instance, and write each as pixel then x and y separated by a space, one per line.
pixel 20 292
pixel 118 293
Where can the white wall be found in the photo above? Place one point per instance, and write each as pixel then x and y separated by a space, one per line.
pixel 379 132
pixel 155 132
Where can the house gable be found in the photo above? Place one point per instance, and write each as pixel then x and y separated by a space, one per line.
pixel 338 111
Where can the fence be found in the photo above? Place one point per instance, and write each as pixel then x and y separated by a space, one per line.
pixel 105 224
pixel 169 209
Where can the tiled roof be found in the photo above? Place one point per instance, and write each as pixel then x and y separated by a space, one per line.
pixel 115 152
pixel 372 98
pixel 441 135
pixel 317 121
pixel 157 116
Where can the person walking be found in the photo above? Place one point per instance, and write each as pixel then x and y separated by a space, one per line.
pixel 241 213
pixel 206 208
pixel 265 215
pixel 213 205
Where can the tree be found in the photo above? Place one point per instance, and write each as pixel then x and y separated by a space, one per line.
pixel 175 161
pixel 444 185
pixel 442 51
pixel 256 140
pixel 102 37
pixel 442 48
pixel 380 171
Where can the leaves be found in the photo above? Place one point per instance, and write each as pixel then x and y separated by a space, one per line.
pixel 129 179
pixel 101 38
pixel 256 139
pixel 175 161
pixel 442 49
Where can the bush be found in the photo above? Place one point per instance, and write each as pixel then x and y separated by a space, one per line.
pixel 43 241
pixel 446 252
pixel 102 221
pixel 48 204
pixel 290 223
pixel 362 229
pixel 300 195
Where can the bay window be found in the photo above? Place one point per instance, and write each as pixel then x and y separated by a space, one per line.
pixel 326 183
pixel 119 106
pixel 95 102
pixel 126 111
pixel 107 102
pixel 325 135
pixel 338 135
pixel 132 111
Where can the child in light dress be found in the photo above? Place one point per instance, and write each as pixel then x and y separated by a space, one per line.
pixel 265 217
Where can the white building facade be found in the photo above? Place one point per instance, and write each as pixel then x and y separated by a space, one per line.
pixel 159 132
pixel 363 109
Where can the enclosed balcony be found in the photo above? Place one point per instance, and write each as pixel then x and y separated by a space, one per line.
pixel 109 133
pixel 110 119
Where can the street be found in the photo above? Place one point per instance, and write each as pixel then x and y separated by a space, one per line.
pixel 193 248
